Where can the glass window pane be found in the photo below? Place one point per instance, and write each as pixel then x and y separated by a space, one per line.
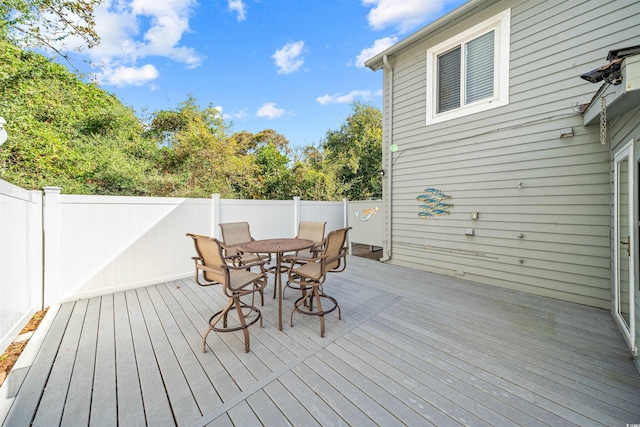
pixel 479 68
pixel 449 81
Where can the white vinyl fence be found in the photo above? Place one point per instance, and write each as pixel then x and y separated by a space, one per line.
pixel 60 247
pixel 366 218
pixel 20 259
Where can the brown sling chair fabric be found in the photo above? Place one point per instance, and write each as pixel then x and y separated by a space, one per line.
pixel 309 230
pixel 312 274
pixel 236 281
pixel 235 234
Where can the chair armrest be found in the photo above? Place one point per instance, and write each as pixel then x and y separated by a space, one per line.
pixel 314 259
pixel 230 247
pixel 244 266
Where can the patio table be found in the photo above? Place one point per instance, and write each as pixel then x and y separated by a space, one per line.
pixel 277 247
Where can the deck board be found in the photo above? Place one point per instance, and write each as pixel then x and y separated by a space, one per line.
pixel 130 407
pixel 77 407
pixel 411 348
pixel 53 399
pixel 156 404
pixel 104 409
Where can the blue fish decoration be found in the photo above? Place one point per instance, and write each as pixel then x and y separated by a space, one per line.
pixel 440 212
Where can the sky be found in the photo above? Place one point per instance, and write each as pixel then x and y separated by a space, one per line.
pixel 291 66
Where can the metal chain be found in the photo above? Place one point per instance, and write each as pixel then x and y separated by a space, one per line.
pixel 603 121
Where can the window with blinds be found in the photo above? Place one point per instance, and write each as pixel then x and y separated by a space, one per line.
pixel 449 80
pixel 479 68
pixel 470 72
pixel 477 78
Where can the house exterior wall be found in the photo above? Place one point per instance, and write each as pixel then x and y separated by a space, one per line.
pixel 543 202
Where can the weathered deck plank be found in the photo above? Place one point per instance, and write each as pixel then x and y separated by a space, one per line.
pixel 411 348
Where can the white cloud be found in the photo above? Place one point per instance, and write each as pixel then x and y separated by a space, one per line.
pixel 339 98
pixel 238 7
pixel 241 114
pixel 134 29
pixel 403 14
pixel 378 46
pixel 270 111
pixel 128 76
pixel 288 59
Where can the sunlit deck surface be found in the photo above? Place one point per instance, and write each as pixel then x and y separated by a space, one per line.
pixel 412 348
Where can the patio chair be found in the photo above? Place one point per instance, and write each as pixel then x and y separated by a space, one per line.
pixel 310 230
pixel 237 281
pixel 311 275
pixel 233 235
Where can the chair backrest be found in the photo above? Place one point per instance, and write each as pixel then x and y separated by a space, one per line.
pixel 210 251
pixel 235 233
pixel 335 248
pixel 310 230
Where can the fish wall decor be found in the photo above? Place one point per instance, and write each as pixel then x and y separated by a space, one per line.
pixel 432 203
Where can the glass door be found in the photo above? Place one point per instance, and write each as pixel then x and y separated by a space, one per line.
pixel 623 292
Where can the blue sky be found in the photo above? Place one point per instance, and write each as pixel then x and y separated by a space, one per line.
pixel 291 66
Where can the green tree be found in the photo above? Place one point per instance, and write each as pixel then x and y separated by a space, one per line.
pixel 275 178
pixel 267 173
pixel 48 23
pixel 194 149
pixel 68 133
pixel 353 153
pixel 312 181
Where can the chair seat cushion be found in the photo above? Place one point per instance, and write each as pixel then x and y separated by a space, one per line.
pixel 242 278
pixel 311 270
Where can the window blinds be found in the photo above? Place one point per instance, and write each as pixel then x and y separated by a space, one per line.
pixel 449 80
pixel 479 54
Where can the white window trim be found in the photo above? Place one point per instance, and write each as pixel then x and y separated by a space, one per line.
pixel 501 23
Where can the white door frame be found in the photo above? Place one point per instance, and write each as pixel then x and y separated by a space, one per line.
pixel 628 328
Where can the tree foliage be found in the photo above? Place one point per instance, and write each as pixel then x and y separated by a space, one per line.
pixel 65 132
pixel 354 153
pixel 68 133
pixel 49 23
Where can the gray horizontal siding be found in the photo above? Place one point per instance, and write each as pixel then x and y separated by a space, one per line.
pixel 563 208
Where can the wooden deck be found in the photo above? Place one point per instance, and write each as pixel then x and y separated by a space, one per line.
pixel 412 348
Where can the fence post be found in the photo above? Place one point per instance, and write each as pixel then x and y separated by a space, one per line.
pixel 35 248
pixel 296 214
pixel 52 256
pixel 215 220
pixel 345 221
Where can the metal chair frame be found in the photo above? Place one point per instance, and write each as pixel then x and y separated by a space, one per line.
pixel 311 275
pixel 236 281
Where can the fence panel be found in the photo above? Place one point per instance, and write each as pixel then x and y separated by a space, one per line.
pixel 101 244
pixel 20 259
pixel 331 212
pixel 267 218
pixel 104 244
pixel 367 221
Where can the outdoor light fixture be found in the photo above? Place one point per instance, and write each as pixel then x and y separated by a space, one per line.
pixel 381 172
pixel 609 72
pixel 3 131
